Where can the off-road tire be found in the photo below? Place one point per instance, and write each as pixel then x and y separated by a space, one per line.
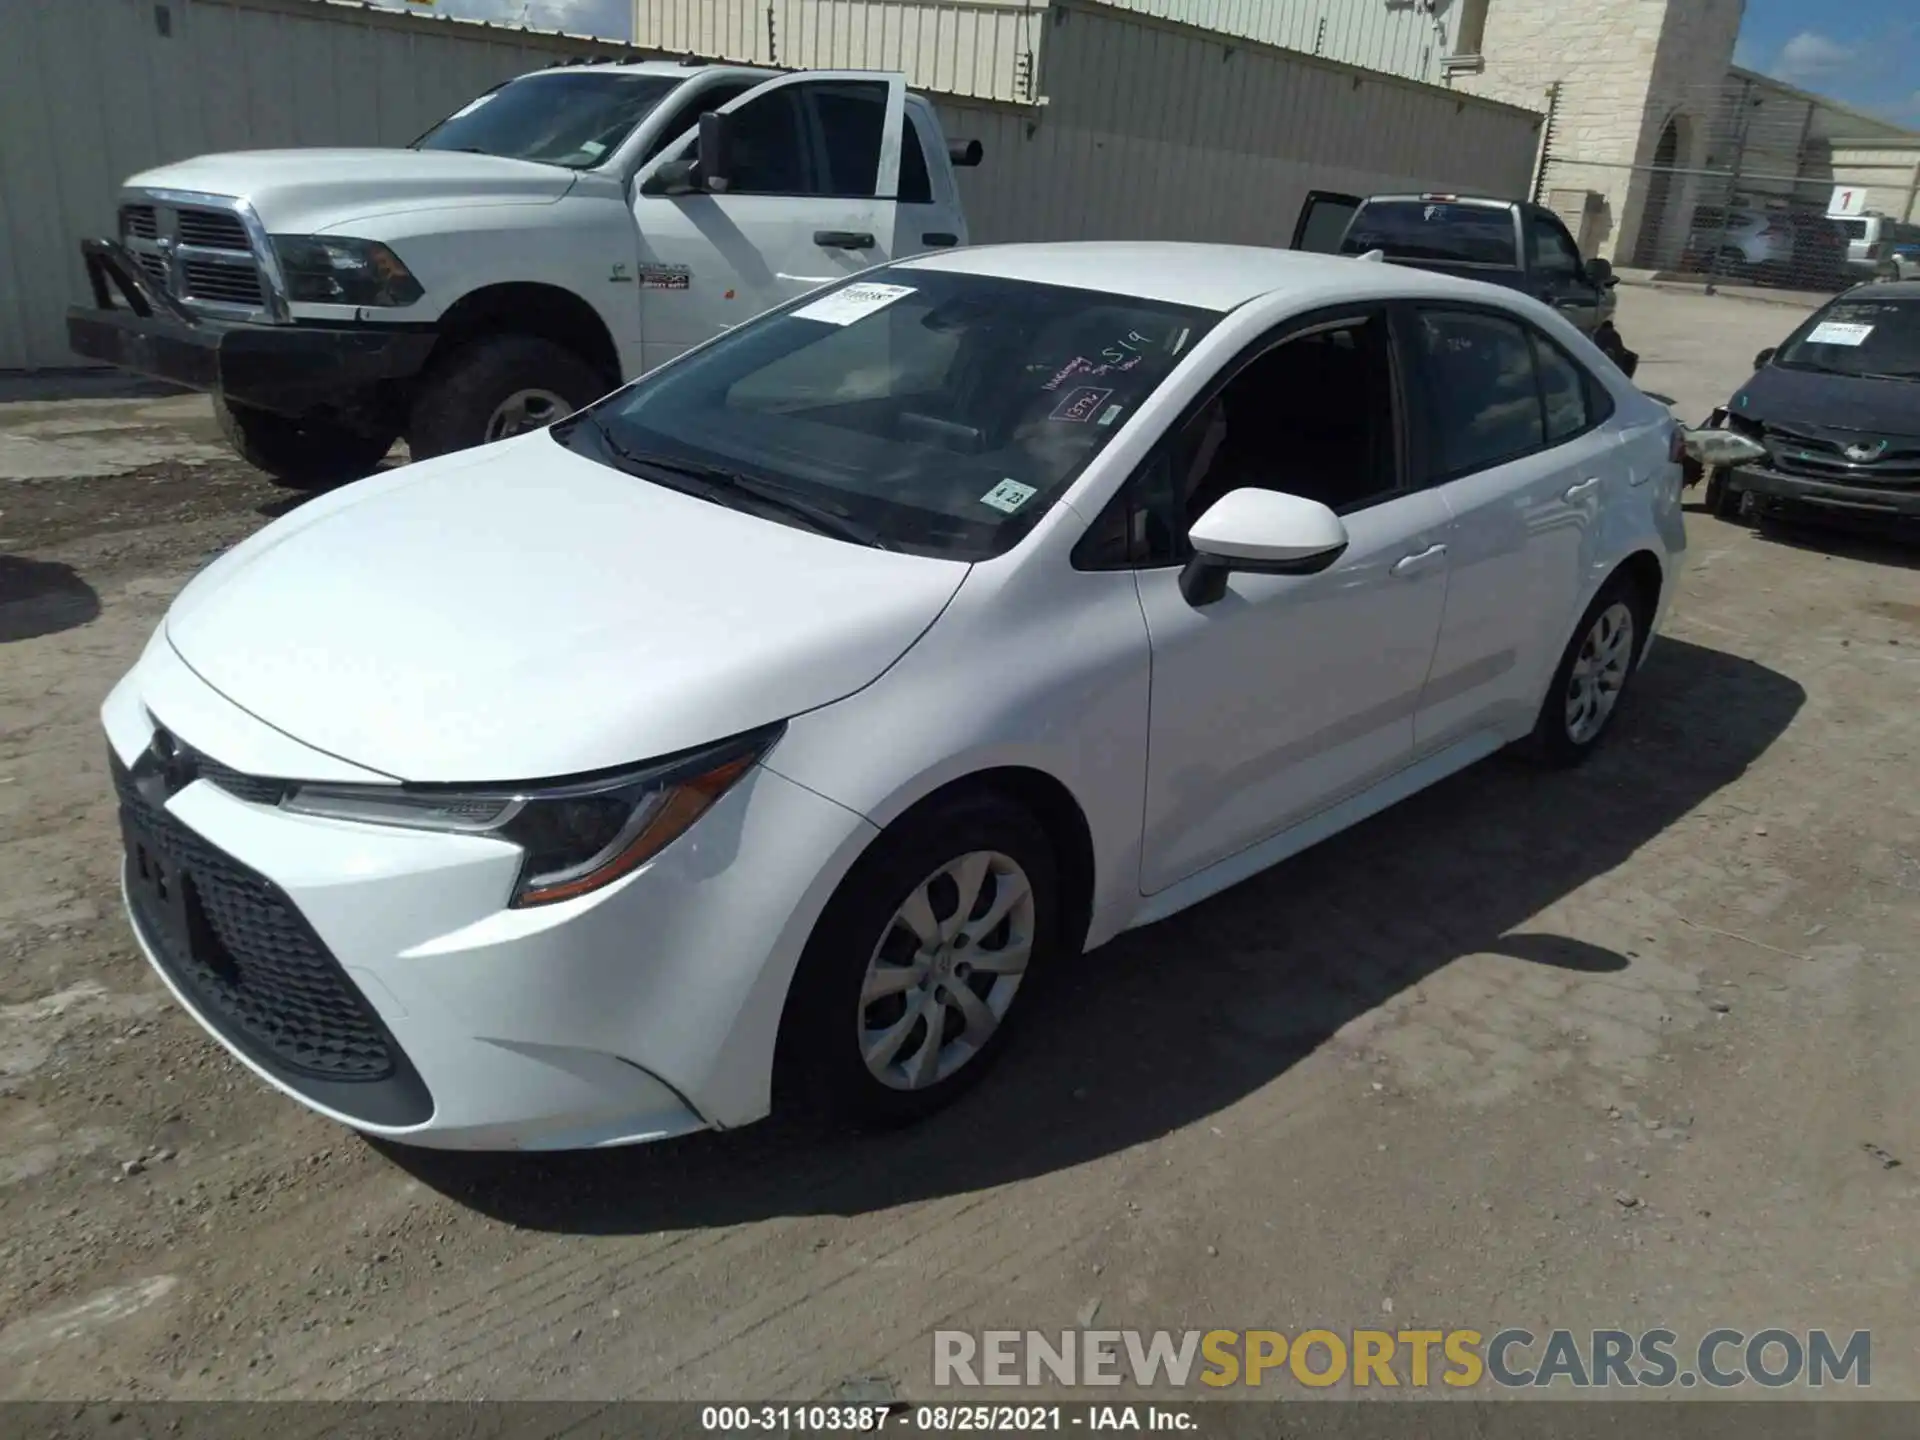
pixel 461 391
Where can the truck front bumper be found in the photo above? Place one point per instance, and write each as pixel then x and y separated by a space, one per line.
pixel 287 369
pixel 1865 502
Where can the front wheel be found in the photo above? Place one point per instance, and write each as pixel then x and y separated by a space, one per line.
pixel 307 453
pixel 904 995
pixel 497 387
pixel 1593 674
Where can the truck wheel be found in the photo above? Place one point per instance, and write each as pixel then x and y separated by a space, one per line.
pixel 308 453
pixel 496 387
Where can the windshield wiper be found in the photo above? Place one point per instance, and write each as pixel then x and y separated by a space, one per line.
pixel 719 480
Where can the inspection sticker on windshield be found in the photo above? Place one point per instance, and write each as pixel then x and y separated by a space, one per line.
pixel 1833 332
pixel 1081 404
pixel 856 302
pixel 1008 496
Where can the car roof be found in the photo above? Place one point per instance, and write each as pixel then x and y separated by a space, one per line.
pixel 1207 277
pixel 1883 290
pixel 677 68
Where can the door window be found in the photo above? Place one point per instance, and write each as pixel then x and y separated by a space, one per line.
pixel 1484 400
pixel 770 154
pixel 1554 251
pixel 916 184
pixel 852 116
pixel 1563 387
pixel 1312 416
pixel 686 113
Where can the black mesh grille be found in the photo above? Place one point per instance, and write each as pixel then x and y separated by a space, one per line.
pixel 258 789
pixel 253 966
pixel 216 229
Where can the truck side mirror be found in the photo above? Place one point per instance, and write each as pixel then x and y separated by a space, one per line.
pixel 715 152
pixel 1761 360
pixel 1600 273
pixel 964 154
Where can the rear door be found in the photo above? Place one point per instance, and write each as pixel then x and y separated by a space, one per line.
pixel 1323 221
pixel 812 199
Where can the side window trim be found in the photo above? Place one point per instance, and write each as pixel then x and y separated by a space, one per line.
pixel 1126 499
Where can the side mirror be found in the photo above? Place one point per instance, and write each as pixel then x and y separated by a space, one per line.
pixel 1764 358
pixel 715 152
pixel 1600 273
pixel 1259 532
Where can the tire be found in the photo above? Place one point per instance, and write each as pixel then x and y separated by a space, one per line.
pixel 467 397
pixel 826 1029
pixel 1556 739
pixel 305 454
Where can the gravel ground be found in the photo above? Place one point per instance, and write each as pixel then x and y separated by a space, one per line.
pixel 1628 1047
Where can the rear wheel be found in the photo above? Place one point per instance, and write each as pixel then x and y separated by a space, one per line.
pixel 908 985
pixel 1593 673
pixel 302 454
pixel 497 387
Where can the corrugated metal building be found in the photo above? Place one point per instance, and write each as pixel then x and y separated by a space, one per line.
pixel 1137 128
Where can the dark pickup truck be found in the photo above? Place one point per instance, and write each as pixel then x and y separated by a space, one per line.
pixel 1502 242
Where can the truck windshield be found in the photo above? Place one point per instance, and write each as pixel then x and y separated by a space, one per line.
pixel 573 119
pixel 925 410
pixel 1434 230
pixel 1859 337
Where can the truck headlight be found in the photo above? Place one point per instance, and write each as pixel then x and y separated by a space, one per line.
pixel 577 835
pixel 331 270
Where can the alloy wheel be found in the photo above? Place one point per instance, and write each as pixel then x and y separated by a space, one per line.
pixel 1599 672
pixel 526 410
pixel 945 970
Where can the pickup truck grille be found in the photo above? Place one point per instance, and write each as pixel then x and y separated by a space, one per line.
pixel 199 254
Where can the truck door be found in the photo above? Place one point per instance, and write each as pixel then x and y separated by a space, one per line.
pixel 1323 221
pixel 811 199
pixel 1558 275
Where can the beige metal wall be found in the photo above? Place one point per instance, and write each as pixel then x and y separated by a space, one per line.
pixel 92 91
pixel 1400 37
pixel 1154 130
pixel 984 49
pixel 1146 128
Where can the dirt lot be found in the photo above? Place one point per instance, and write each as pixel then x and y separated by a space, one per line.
pixel 1634 1046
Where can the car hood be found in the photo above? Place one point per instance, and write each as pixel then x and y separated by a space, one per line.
pixel 305 191
pixel 519 612
pixel 1832 402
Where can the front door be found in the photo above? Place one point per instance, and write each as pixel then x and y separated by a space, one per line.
pixel 1559 274
pixel 816 167
pixel 1323 221
pixel 1290 692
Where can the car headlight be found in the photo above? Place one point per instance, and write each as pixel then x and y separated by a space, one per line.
pixel 577 835
pixel 332 270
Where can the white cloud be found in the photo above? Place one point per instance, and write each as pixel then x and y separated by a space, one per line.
pixel 1810 57
pixel 610 19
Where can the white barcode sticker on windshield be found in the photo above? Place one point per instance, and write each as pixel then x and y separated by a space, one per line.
pixel 1833 332
pixel 856 302
pixel 1008 496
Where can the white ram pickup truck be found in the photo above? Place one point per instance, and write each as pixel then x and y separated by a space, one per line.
pixel 562 234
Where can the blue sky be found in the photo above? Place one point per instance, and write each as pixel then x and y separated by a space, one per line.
pixel 1863 52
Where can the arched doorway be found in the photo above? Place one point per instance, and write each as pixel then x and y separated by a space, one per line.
pixel 1655 219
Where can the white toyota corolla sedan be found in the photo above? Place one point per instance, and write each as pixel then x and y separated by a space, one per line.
pixel 756 732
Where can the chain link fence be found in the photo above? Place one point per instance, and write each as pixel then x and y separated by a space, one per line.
pixel 1750 183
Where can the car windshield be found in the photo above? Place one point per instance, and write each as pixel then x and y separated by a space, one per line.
pixel 573 119
pixel 1434 230
pixel 924 410
pixel 1859 337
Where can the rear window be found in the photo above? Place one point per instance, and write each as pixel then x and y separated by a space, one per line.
pixel 1434 230
pixel 1855 229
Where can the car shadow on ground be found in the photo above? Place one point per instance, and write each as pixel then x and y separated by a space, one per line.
pixel 1856 541
pixel 1171 1024
pixel 42 597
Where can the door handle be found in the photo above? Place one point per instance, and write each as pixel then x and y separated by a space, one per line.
pixel 1414 564
pixel 1584 488
pixel 939 239
pixel 843 239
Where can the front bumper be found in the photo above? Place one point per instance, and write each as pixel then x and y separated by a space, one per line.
pixel 288 369
pixel 1863 501
pixel 645 1010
